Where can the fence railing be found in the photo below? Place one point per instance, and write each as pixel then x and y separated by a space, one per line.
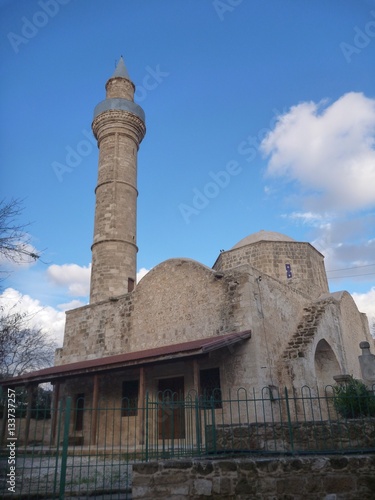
pixel 77 450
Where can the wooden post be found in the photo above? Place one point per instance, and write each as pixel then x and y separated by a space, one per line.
pixel 196 420
pixel 196 376
pixel 30 393
pixel 95 401
pixel 55 404
pixel 141 404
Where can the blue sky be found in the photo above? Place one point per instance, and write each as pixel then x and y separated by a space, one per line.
pixel 278 94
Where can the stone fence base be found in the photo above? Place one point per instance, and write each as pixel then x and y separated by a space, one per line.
pixel 326 436
pixel 338 477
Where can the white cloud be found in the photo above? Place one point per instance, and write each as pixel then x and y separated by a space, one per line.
pixel 71 276
pixel 308 218
pixel 47 318
pixel 366 303
pixel 345 241
pixel 328 150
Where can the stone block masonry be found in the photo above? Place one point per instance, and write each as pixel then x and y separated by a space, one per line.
pixel 158 312
pixel 306 264
pixel 119 128
pixel 333 477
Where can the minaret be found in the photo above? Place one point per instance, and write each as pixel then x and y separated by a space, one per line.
pixel 119 127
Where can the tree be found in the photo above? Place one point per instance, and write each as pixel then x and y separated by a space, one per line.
pixel 22 348
pixel 354 400
pixel 14 241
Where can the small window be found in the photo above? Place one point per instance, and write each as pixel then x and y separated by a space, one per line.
pixel 210 387
pixel 79 406
pixel 131 284
pixel 129 406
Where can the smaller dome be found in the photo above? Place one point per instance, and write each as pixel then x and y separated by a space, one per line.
pixel 262 236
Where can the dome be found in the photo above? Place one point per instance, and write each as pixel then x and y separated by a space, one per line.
pixel 262 236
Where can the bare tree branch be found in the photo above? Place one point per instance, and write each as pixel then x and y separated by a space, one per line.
pixel 14 241
pixel 22 348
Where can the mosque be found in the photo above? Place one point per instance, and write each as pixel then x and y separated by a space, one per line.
pixel 262 316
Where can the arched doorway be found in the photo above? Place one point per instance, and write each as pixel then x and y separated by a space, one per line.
pixel 326 364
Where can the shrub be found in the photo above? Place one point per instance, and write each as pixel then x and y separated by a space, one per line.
pixel 354 400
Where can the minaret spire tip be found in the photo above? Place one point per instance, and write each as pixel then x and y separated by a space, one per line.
pixel 121 71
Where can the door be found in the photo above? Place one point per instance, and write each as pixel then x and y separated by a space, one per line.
pixel 171 408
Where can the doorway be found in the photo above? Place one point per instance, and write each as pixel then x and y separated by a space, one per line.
pixel 171 414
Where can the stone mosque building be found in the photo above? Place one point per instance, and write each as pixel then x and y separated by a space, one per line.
pixel 262 316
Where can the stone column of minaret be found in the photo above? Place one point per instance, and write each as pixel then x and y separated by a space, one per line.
pixel 119 127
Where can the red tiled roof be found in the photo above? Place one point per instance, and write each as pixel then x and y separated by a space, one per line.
pixel 156 355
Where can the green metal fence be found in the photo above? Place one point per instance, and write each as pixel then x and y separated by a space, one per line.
pixel 77 450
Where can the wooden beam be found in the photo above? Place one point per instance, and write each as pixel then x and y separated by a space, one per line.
pixel 196 376
pixel 142 403
pixel 30 393
pixel 55 405
pixel 95 402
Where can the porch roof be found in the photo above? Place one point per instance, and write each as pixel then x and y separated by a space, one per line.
pixel 193 348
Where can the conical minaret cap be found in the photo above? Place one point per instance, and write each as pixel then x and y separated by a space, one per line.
pixel 120 94
pixel 121 71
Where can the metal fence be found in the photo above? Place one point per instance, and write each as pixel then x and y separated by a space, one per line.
pixel 79 451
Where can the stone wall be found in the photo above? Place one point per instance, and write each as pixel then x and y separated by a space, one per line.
pixel 179 300
pixel 182 300
pixel 329 435
pixel 354 329
pixel 313 478
pixel 306 264
pixel 367 362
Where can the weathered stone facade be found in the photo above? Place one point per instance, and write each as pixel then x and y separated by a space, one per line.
pixel 181 300
pixel 305 263
pixel 178 300
pixel 267 283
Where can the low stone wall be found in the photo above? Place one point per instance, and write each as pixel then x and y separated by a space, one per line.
pixel 313 478
pixel 328 436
